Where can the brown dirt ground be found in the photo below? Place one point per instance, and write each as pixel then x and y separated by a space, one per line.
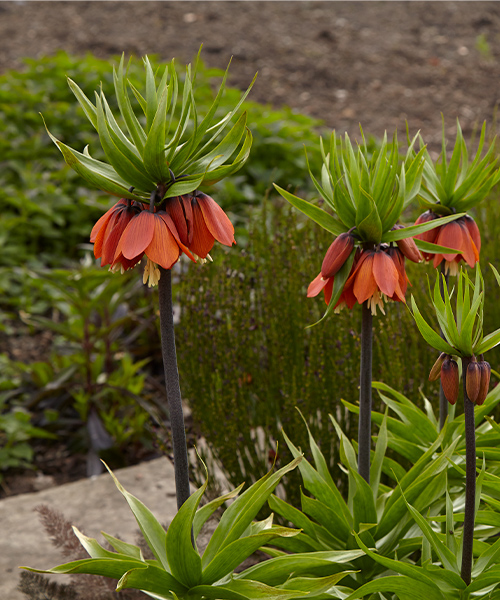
pixel 378 63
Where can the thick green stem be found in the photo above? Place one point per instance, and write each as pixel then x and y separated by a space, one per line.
pixel 470 479
pixel 443 403
pixel 365 394
pixel 181 465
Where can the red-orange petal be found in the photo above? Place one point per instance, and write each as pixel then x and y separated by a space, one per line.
pixel 175 208
pixel 106 244
pixel 385 273
pixel 316 285
pixel 137 235
pixel 217 221
pixel 451 236
pixel 163 249
pixel 364 281
pixel 469 250
pixel 171 226
pixel 102 222
pixel 473 231
pixel 203 240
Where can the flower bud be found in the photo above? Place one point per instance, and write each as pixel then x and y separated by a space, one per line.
pixel 473 380
pixel 337 254
pixel 436 368
pixel 450 379
pixel 409 248
pixel 485 381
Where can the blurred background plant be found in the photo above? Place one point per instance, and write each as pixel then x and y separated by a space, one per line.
pixel 245 356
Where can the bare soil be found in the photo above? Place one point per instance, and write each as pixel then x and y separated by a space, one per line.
pixel 378 63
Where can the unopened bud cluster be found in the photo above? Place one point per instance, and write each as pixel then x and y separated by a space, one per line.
pixel 477 378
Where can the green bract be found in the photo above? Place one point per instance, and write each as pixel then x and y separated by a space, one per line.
pixel 167 147
pixel 367 190
pixel 458 185
pixel 462 330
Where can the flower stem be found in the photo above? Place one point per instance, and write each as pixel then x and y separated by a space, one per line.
pixel 365 393
pixel 181 465
pixel 443 403
pixel 470 479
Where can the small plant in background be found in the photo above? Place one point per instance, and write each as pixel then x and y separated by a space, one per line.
pixel 366 262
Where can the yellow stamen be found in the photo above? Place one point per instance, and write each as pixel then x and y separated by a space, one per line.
pixel 151 273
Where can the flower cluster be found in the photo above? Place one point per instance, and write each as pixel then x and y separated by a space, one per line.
pixel 462 235
pixel 376 275
pixel 477 378
pixel 130 230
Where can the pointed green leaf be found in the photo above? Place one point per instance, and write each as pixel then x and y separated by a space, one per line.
pixel 315 213
pixel 412 230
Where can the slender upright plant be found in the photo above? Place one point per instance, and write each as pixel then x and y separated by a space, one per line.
pixel 365 264
pixel 463 337
pixel 156 167
pixel 455 186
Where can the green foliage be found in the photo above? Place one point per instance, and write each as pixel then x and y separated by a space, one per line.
pixel 158 152
pixel 16 432
pixel 89 367
pixel 181 571
pixel 462 329
pixel 456 184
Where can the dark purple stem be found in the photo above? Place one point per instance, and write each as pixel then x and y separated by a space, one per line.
pixel 365 393
pixel 443 403
pixel 181 464
pixel 470 479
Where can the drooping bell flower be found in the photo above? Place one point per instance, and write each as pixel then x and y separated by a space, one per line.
pixel 154 235
pixel 462 234
pixel 108 230
pixel 200 221
pixel 376 277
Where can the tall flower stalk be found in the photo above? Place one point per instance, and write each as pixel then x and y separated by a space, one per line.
pixel 450 185
pixel 463 338
pixel 367 192
pixel 156 166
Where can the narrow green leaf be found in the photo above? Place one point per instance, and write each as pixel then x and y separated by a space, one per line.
pixel 206 511
pixel 315 213
pixel 435 248
pixel 236 552
pixel 277 570
pixel 151 529
pixel 239 515
pixel 123 547
pixel 88 108
pixel 134 127
pixel 122 165
pixel 412 230
pixel 184 560
pixel 154 148
pixel 152 579
pixel 406 588
pixel 429 335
